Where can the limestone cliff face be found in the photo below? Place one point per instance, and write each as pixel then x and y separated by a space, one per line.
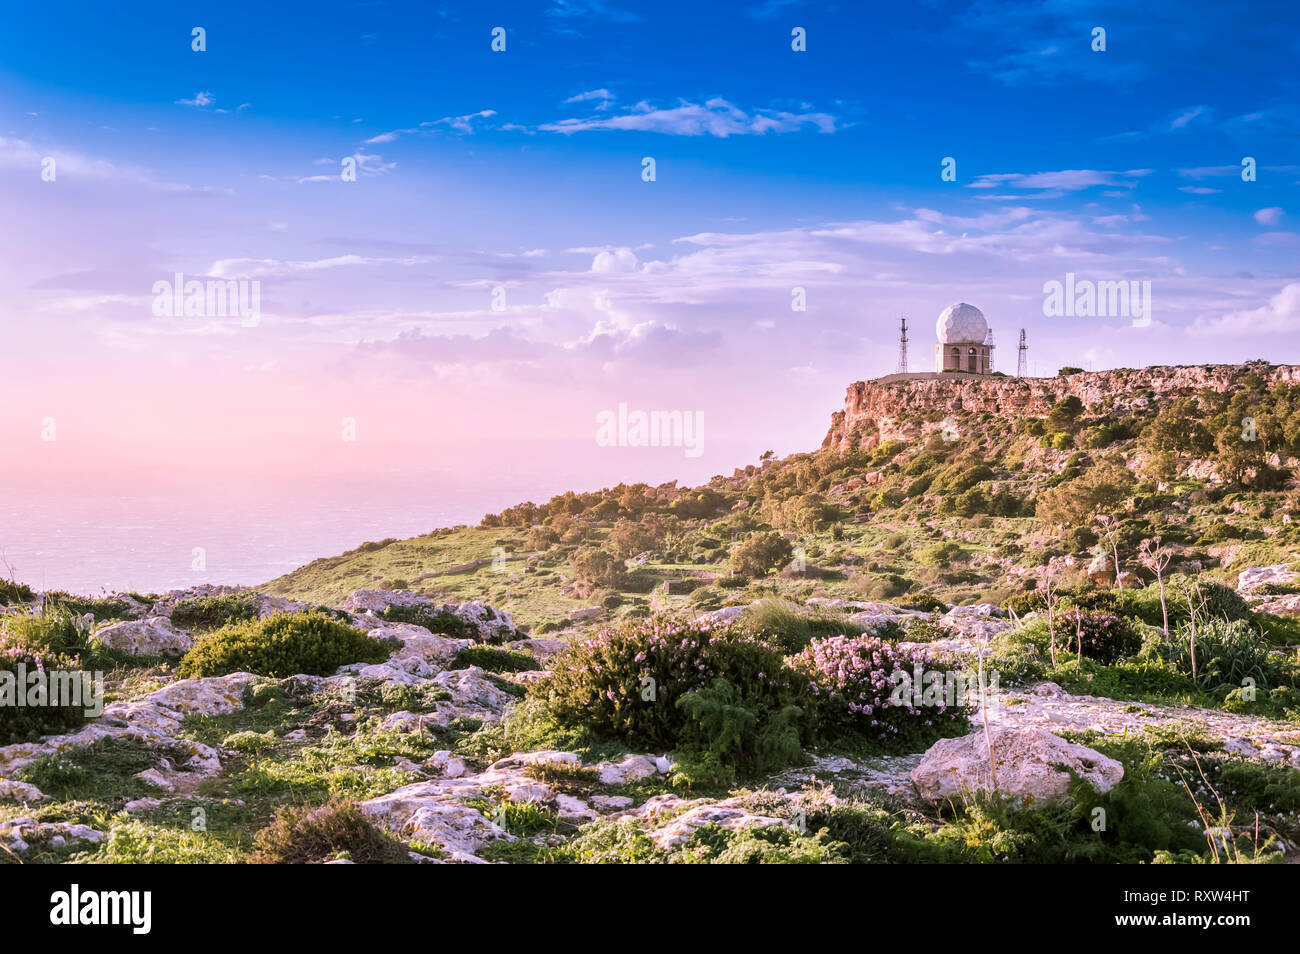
pixel 878 411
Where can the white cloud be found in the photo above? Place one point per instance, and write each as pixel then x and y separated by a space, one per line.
pixel 275 268
pixel 603 98
pixel 1066 180
pixel 464 124
pixel 716 117
pixel 1280 316
pixel 619 260
pixel 1270 216
pixel 199 101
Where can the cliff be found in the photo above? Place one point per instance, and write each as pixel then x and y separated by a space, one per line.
pixel 883 410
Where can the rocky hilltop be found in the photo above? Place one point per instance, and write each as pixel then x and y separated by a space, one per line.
pixel 884 410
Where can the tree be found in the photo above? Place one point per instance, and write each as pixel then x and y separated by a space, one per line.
pixel 1236 457
pixel 1109 524
pixel 1177 429
pixel 759 553
pixel 1153 555
pixel 595 568
pixel 1077 502
pixel 1064 414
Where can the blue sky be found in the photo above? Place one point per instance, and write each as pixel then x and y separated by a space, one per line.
pixel 521 170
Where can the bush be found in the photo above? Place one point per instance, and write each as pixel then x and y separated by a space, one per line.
pixel 761 552
pixel 922 630
pixel 336 830
pixel 28 723
pixel 282 645
pixel 1227 653
pixel 921 601
pixel 210 612
pixel 13 592
pixel 597 569
pixel 629 683
pixel 1106 638
pixel 858 694
pixel 438 621
pixel 1030 601
pixel 792 627
pixel 493 659
pixel 1220 601
pixel 942 554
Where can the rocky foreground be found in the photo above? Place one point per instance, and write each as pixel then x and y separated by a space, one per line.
pixel 439 803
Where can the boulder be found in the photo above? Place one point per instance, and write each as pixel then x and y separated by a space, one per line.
pixel 155 636
pixel 1099 570
pixel 1033 766
pixel 1248 580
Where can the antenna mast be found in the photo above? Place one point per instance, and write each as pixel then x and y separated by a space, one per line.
pixel 902 347
pixel 1023 362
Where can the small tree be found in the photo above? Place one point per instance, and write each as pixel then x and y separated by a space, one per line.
pixel 597 569
pixel 759 553
pixel 1108 524
pixel 1153 555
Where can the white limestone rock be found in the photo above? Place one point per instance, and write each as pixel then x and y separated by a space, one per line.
pixel 1248 580
pixel 155 636
pixel 1033 766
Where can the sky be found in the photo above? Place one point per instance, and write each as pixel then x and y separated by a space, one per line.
pixel 500 269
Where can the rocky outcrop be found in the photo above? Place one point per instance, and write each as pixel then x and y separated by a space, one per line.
pixel 155 636
pixel 1248 580
pixel 1032 766
pixel 490 623
pixel 876 411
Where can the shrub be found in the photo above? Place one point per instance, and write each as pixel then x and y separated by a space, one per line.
pixel 210 612
pixel 761 552
pixel 627 683
pixel 858 694
pixel 282 645
pixel 336 830
pixel 942 554
pixel 1227 653
pixel 597 569
pixel 1030 601
pixel 439 621
pixel 1220 601
pixel 792 627
pixel 921 630
pixel 13 592
pixel 1106 638
pixel 921 601
pixel 27 723
pixel 493 659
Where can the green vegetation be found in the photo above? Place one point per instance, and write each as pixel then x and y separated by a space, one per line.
pixel 282 645
pixel 211 612
pixel 335 831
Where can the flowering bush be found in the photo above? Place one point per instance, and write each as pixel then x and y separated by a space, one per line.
pixel 626 682
pixel 852 680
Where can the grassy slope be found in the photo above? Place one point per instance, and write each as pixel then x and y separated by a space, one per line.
pixel 878 540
